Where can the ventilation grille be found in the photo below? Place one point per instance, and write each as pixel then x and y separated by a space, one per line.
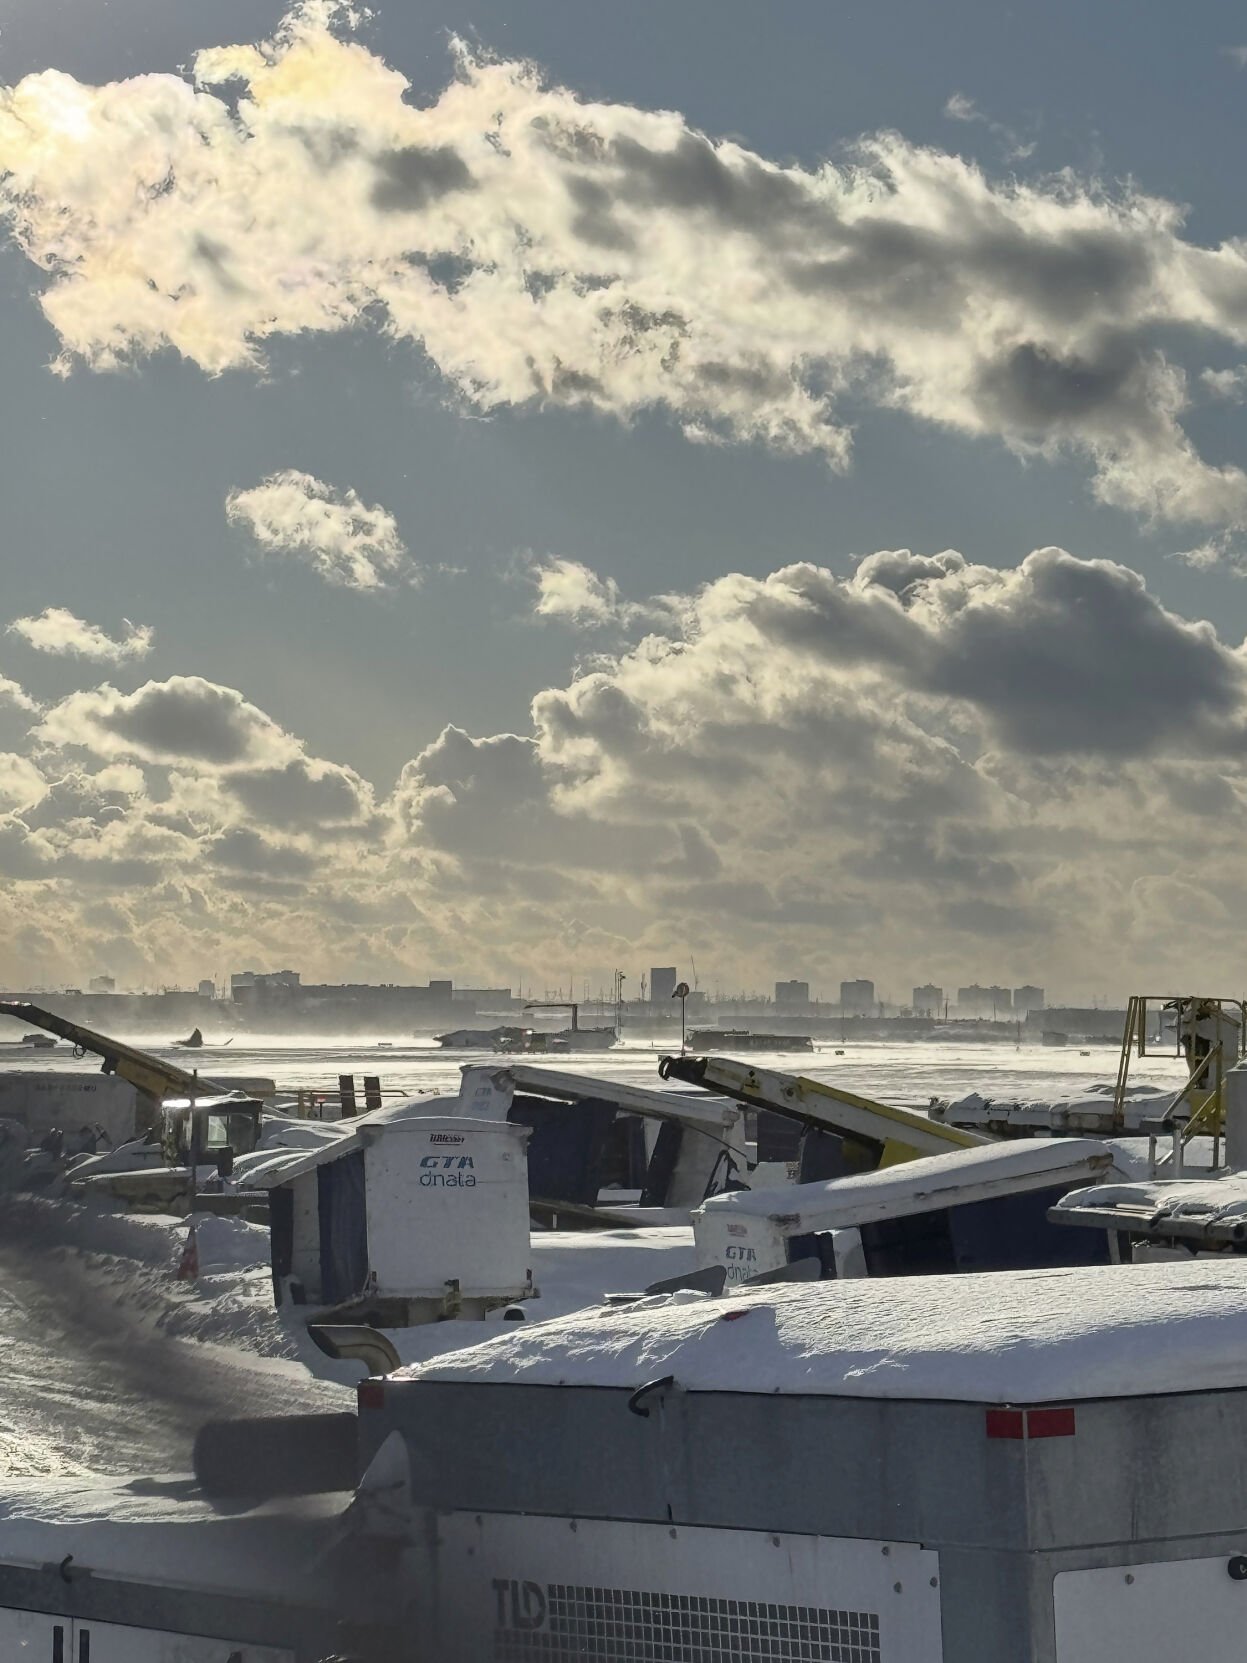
pixel 622 1625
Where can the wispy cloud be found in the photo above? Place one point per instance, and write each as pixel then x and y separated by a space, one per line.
pixel 960 108
pixel 1230 384
pixel 342 539
pixel 57 630
pixel 1236 54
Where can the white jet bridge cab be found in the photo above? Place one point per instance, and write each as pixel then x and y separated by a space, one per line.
pixel 972 1209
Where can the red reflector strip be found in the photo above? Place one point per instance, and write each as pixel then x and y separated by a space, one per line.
pixel 1050 1423
pixel 1006 1423
pixel 370 1394
pixel 1030 1423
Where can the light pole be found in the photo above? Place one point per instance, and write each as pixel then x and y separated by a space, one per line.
pixel 681 993
pixel 620 978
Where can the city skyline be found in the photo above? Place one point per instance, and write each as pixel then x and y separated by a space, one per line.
pixel 973 998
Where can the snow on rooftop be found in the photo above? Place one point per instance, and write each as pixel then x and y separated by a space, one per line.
pixel 1035 1336
pixel 922 1185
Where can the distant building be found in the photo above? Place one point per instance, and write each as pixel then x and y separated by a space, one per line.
pixel 792 993
pixel 928 1000
pixel 248 983
pixel 984 1001
pixel 207 988
pixel 662 982
pixel 1078 1023
pixel 102 984
pixel 857 996
pixel 1027 999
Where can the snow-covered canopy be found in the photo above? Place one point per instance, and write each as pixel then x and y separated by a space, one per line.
pixel 1220 1200
pixel 1033 1336
pixel 923 1185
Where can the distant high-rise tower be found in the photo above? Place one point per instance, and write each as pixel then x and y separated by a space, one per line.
pixel 792 993
pixel 984 1001
pixel 1028 999
pixel 928 1000
pixel 662 980
pixel 858 996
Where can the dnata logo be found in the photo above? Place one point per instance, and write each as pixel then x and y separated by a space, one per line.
pixel 447 1172
pixel 445 1137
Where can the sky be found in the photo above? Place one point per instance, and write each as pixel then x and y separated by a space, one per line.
pixel 520 492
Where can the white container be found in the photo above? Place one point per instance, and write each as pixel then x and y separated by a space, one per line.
pixel 447 1201
pixel 55 1097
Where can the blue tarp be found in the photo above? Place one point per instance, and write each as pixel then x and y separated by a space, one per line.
pixel 343 1228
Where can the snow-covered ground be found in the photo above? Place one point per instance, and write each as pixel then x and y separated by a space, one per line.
pixel 112 1362
pixel 110 1365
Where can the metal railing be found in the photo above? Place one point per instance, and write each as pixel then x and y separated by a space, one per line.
pixel 1206 1030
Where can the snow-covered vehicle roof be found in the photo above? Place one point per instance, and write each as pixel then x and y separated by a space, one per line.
pixel 1034 1336
pixel 935 1181
pixel 293 1163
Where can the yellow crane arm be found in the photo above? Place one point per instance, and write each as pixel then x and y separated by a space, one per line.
pixel 143 1071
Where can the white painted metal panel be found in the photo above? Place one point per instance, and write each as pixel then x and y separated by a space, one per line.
pixel 448 1200
pixel 566 1589
pixel 58 1098
pixel 744 1246
pixel 1151 1613
pixel 29 1636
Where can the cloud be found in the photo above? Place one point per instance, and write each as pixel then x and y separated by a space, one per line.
pixel 1236 54
pixel 1230 384
pixel 57 630
pixel 542 250
pixel 13 695
pixel 183 719
pixel 571 592
pixel 21 783
pixel 960 108
pixel 919 767
pixel 304 792
pixel 349 544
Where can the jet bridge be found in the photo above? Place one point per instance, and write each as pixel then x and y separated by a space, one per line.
pixel 686 1147
pixel 841 1132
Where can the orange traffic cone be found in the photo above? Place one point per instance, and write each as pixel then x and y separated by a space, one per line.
pixel 188 1265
